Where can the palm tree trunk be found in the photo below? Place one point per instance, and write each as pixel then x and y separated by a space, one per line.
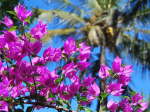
pixel 102 82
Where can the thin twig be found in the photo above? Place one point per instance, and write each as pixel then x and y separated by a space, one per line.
pixel 50 106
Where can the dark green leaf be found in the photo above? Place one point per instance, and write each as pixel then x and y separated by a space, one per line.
pixel 18 110
pixel 29 109
pixel 132 93
pixel 81 107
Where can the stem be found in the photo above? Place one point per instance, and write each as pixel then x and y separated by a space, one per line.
pixel 50 106
pixel 33 78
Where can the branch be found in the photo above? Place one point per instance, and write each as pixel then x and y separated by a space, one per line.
pixel 50 106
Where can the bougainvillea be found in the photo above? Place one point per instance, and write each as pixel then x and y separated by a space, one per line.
pixel 29 81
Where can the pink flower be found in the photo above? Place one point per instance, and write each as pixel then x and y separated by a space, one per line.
pixel 88 81
pixel 52 54
pixel 125 106
pixel 10 36
pixel 38 61
pixel 104 71
pixel 47 78
pixel 31 48
pixel 84 51
pixel 74 87
pixel 144 106
pixel 69 70
pixel 3 106
pixel 126 70
pixel 15 51
pixel 1 64
pixel 112 106
pixel 70 46
pixel 18 90
pixel 22 72
pixel 136 99
pixel 94 90
pixel 116 66
pixel 2 41
pixel 64 92
pixel 114 89
pixel 39 30
pixel 4 87
pixel 90 94
pixel 22 13
pixel 123 79
pixel 124 76
pixel 36 47
pixel 83 65
pixel 8 22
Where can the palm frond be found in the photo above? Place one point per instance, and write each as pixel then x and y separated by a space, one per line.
pixel 52 33
pixel 94 5
pixel 107 4
pixel 138 9
pixel 137 30
pixel 71 18
pixel 138 49
pixel 65 4
pixel 143 12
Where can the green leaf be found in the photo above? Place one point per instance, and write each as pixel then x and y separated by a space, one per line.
pixel 51 95
pixel 7 99
pixel 83 98
pixel 81 107
pixel 28 20
pixel 12 28
pixel 110 72
pixel 57 81
pixel 12 12
pixel 87 109
pixel 126 97
pixel 132 93
pixel 104 95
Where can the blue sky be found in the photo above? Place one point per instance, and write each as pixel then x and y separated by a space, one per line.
pixel 138 83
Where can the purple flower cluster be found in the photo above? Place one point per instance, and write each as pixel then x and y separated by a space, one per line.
pixel 133 104
pixel 22 13
pixel 18 75
pixel 8 22
pixel 119 73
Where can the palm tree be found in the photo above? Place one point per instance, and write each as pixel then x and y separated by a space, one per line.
pixel 108 26
pixel 106 23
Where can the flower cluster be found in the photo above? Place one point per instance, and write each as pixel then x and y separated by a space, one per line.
pixel 119 77
pixel 133 104
pixel 20 76
pixel 31 80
